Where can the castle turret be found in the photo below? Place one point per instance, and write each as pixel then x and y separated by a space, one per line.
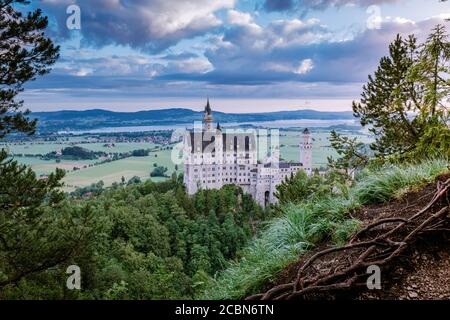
pixel 306 151
pixel 208 118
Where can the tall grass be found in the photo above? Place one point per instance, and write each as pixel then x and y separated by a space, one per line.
pixel 393 180
pixel 303 226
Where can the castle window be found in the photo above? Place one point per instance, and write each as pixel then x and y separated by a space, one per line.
pixel 247 143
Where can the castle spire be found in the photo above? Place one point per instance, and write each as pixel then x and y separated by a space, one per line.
pixel 207 117
pixel 208 107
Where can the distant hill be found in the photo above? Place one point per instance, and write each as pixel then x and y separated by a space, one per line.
pixel 97 118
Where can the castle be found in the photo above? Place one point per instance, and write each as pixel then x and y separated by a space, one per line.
pixel 214 157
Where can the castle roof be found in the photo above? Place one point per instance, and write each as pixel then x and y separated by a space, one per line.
pixel 284 165
pixel 208 108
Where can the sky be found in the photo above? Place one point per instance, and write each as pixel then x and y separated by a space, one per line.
pixel 246 55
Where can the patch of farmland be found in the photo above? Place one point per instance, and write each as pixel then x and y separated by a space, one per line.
pixel 114 171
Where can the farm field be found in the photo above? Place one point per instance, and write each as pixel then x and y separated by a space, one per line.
pixel 46 147
pixel 27 153
pixel 119 147
pixel 114 171
pixel 43 167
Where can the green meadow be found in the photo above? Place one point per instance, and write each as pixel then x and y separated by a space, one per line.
pixel 114 171
pixel 46 147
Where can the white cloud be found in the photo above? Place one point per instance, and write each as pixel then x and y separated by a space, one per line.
pixel 305 66
pixel 83 72
pixel 190 65
pixel 239 18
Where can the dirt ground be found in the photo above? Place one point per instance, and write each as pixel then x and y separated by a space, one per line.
pixel 423 274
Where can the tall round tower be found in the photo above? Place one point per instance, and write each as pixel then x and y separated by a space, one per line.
pixel 208 118
pixel 306 151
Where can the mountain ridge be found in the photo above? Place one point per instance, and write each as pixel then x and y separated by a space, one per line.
pixel 94 117
pixel 306 112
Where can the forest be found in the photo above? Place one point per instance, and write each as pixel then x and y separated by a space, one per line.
pixel 142 241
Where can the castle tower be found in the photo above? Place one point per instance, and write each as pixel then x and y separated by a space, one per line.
pixel 306 151
pixel 207 118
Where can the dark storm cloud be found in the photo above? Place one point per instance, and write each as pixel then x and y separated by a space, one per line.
pixel 278 5
pixel 305 5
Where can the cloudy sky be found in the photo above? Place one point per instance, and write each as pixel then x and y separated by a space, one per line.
pixel 246 55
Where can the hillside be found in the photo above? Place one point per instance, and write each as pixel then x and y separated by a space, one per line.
pixel 92 119
pixel 413 258
pixel 304 254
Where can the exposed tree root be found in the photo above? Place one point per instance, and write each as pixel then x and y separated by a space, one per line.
pixel 378 243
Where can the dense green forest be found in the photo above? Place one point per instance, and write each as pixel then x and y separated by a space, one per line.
pixel 74 153
pixel 142 241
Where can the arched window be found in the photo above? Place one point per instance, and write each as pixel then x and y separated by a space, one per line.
pixel 235 143
pixel 247 143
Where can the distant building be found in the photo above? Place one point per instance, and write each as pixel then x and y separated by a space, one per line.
pixel 215 157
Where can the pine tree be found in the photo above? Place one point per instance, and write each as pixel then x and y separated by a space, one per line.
pixel 388 97
pixel 38 231
pixel 407 93
pixel 25 53
pixel 352 154
pixel 433 63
